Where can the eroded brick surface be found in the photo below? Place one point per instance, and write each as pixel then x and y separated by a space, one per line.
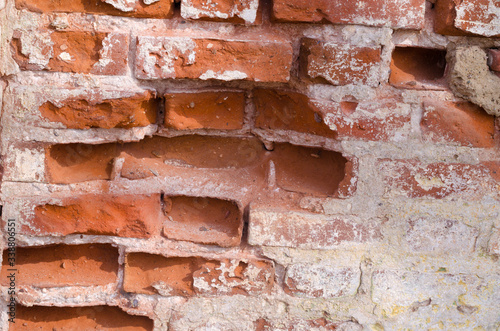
pixel 340 64
pixel 184 57
pixel 78 318
pixel 152 274
pixel 398 14
pixel 65 265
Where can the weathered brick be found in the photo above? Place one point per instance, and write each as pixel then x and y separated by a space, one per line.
pixel 70 163
pixel 124 216
pixel 458 122
pixel 308 231
pixel 72 51
pixel 132 8
pixel 340 64
pixel 160 57
pixel 418 68
pixel 78 318
pixel 64 265
pixel 397 14
pixel 494 242
pixel 205 110
pixel 202 220
pixel 186 276
pixel 277 109
pixel 467 17
pixel 440 236
pixel 137 110
pixel 321 281
pixel 243 11
pixel 438 180
pixel 380 120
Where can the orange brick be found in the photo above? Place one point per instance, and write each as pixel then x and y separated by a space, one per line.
pixel 205 110
pixel 78 318
pixel 372 12
pixel 159 57
pixel 340 64
pixel 137 110
pixel 458 122
pixel 124 216
pixel 159 9
pixel 64 265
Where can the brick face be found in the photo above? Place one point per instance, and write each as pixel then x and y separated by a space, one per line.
pixel 406 15
pixel 205 110
pixel 161 57
pixel 134 8
pixel 340 64
pixel 65 265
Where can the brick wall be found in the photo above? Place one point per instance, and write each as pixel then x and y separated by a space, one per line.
pixel 251 165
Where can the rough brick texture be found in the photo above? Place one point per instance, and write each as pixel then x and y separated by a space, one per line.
pixel 250 165
pixel 184 57
pixel 405 14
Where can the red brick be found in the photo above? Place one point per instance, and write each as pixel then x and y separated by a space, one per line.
pixel 393 13
pixel 307 231
pixel 203 220
pixel 458 122
pixel 284 110
pixel 159 9
pixel 438 180
pixel 494 59
pixel 243 11
pixel 70 163
pixel 478 17
pixel 308 170
pixel 137 110
pixel 160 57
pixel 374 120
pixel 124 216
pixel 78 318
pixel 205 110
pixel 466 17
pixel 321 281
pixel 418 68
pixel 440 236
pixel 77 51
pixel 340 64
pixel 187 276
pixel 64 265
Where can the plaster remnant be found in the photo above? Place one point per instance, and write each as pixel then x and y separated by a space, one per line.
pixel 149 2
pixel 471 79
pixel 246 10
pixel 123 5
pixel 37 47
pixel 227 75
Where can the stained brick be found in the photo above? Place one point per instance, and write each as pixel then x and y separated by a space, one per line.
pixel 307 231
pixel 124 216
pixel 467 17
pixel 137 110
pixel 321 281
pixel 494 59
pixel 202 220
pixel 186 276
pixel 340 64
pixel 184 57
pixel 65 265
pixel 78 318
pixel 438 180
pixel 440 236
pixel 458 122
pixel 134 8
pixel 397 14
pixel 205 110
pixel 243 11
pixel 73 51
